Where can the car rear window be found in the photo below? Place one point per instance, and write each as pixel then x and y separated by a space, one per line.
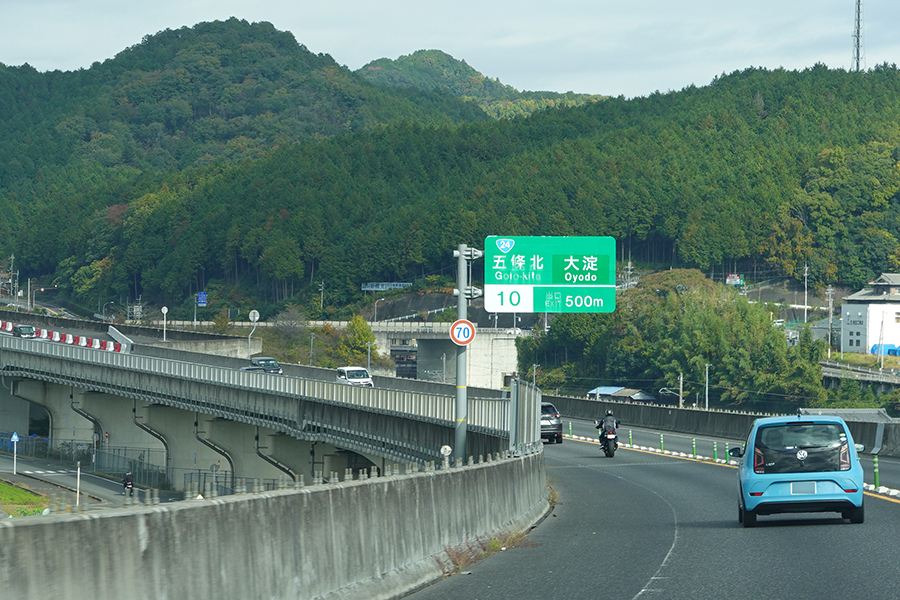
pixel 548 409
pixel 801 447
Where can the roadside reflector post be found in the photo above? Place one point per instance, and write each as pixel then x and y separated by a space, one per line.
pixel 570 428
pixel 630 443
pixel 661 443
pixel 875 458
pixel 715 452
pixel 694 447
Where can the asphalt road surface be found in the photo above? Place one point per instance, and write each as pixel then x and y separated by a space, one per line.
pixel 645 525
pixel 60 483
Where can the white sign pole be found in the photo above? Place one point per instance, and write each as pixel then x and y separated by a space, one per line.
pixel 15 440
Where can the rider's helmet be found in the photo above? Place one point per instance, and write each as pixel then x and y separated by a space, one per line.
pixel 609 413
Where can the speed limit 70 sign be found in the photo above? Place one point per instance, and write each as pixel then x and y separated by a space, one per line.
pixel 462 332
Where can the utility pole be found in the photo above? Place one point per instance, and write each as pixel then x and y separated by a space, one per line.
pixel 805 289
pixel 322 295
pixel 680 390
pixel 707 386
pixel 12 260
pixel 463 254
pixel 829 292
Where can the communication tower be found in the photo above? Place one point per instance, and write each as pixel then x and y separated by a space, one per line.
pixel 858 47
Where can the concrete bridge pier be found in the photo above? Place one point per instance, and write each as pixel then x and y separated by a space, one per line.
pixel 66 424
pixel 305 457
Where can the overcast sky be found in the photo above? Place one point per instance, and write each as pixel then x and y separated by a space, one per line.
pixel 622 47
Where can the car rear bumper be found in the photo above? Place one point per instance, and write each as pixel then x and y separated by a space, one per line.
pixel 774 508
pixel 551 432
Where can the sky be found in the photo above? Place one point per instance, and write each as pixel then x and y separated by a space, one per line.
pixel 616 48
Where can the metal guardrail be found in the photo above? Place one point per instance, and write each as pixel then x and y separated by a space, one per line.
pixel 846 371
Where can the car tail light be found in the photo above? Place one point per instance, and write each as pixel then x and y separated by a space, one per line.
pixel 759 463
pixel 756 493
pixel 845 458
pixel 851 490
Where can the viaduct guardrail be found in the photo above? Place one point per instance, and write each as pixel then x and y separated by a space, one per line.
pixel 398 425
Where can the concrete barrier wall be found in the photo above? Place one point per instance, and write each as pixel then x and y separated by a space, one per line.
pixel 369 539
pixel 728 425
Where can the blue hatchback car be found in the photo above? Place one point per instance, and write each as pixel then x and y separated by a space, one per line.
pixel 805 463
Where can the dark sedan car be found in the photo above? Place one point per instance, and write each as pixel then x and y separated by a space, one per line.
pixel 266 363
pixel 24 331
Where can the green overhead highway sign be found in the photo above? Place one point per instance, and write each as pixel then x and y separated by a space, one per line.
pixel 525 274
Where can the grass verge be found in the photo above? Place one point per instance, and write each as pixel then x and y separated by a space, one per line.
pixel 18 502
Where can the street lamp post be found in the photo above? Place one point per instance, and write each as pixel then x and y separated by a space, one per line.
pixel 375 318
pixel 165 311
pixel 254 317
pixel 369 357
pixel 104 309
pixel 534 374
pixel 33 293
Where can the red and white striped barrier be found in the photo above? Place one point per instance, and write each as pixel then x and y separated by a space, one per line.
pixel 68 338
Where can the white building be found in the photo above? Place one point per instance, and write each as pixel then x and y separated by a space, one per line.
pixel 871 317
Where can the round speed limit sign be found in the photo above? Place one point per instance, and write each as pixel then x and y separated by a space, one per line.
pixel 462 332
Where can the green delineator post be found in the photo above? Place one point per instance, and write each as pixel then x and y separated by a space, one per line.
pixel 875 458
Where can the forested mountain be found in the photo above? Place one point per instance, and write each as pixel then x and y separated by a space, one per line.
pixel 227 158
pixel 436 70
pixel 217 93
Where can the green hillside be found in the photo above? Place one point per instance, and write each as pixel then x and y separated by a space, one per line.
pixel 227 158
pixel 436 70
pixel 214 94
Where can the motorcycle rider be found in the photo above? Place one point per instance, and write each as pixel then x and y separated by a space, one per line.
pixel 128 483
pixel 608 422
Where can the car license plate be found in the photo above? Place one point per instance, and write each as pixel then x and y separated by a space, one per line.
pixel 803 487
pixel 610 436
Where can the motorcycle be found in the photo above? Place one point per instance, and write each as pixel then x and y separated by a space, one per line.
pixel 609 440
pixel 129 488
